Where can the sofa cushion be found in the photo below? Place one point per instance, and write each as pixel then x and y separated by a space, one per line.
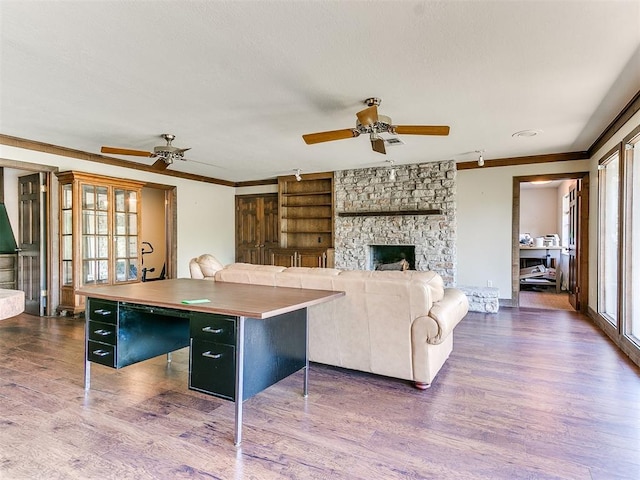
pixel 249 273
pixel 208 266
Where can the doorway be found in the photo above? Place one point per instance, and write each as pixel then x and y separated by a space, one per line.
pixel 38 273
pixel 550 269
pixel 26 192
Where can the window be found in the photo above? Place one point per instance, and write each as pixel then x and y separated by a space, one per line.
pixel 631 323
pixel 608 225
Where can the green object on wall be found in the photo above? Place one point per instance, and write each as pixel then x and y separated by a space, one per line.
pixel 7 240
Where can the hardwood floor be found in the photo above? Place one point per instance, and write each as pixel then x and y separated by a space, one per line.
pixel 546 300
pixel 526 394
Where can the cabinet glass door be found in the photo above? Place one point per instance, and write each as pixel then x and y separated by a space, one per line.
pixel 126 235
pixel 95 235
pixel 67 234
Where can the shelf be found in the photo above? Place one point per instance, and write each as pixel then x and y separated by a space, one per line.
pixel 306 232
pixel 390 213
pixel 284 205
pixel 305 194
pixel 318 217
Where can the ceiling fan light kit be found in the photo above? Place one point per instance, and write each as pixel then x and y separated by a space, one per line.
pixel 371 123
pixel 166 154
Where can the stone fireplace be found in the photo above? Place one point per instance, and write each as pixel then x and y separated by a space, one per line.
pixel 418 208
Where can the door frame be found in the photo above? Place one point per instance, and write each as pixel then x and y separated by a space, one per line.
pixel 582 252
pixel 50 219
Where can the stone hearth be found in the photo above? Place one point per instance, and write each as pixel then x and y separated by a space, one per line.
pixel 417 188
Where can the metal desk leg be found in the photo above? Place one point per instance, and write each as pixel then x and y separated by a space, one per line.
pixel 169 357
pixel 87 363
pixel 305 390
pixel 237 439
pixel 87 374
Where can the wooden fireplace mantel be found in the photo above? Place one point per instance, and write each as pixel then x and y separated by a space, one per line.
pixel 385 213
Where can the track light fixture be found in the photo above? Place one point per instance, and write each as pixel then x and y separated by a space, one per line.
pixel 480 158
pixel 297 174
pixel 392 172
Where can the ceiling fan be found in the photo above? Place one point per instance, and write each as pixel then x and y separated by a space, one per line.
pixel 165 154
pixel 370 122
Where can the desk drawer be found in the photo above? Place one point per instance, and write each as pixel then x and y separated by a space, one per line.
pixel 212 368
pixel 101 353
pixel 213 328
pixel 102 310
pixel 102 332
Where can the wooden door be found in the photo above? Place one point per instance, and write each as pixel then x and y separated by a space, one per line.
pixel 282 257
pixel 32 242
pixel 269 228
pixel 573 248
pixel 312 258
pixel 256 227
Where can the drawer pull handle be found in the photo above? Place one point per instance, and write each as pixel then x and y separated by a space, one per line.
pixel 213 330
pixel 100 353
pixel 103 312
pixel 215 356
pixel 102 332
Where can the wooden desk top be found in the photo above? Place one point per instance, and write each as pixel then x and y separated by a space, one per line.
pixel 237 299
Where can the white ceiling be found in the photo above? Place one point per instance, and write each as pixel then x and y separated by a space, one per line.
pixel 240 81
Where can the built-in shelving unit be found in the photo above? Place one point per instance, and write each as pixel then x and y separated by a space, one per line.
pixel 306 220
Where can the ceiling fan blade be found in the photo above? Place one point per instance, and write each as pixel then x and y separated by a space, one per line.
pixel 160 165
pixel 378 145
pixel 320 137
pixel 368 116
pixel 126 151
pixel 421 129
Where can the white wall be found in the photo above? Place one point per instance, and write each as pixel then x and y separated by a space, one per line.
pixel 153 229
pixel 539 211
pixel 485 199
pixel 205 211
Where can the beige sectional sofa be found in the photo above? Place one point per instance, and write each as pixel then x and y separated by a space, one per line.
pixel 398 324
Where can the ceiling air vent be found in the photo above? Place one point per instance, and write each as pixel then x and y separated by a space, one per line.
pixel 393 141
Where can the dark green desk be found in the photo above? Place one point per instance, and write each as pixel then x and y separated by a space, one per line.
pixel 245 339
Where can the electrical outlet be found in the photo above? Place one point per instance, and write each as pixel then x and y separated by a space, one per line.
pixel 489 283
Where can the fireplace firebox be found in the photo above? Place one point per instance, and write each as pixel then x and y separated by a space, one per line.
pixel 388 254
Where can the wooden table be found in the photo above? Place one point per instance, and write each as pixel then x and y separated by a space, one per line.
pixel 243 340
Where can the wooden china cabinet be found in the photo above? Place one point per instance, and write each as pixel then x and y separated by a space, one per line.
pixel 99 234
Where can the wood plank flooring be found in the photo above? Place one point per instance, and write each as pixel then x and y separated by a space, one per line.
pixel 526 394
pixel 549 300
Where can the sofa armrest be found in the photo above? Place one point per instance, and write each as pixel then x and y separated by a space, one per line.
pixel 194 269
pixel 442 319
